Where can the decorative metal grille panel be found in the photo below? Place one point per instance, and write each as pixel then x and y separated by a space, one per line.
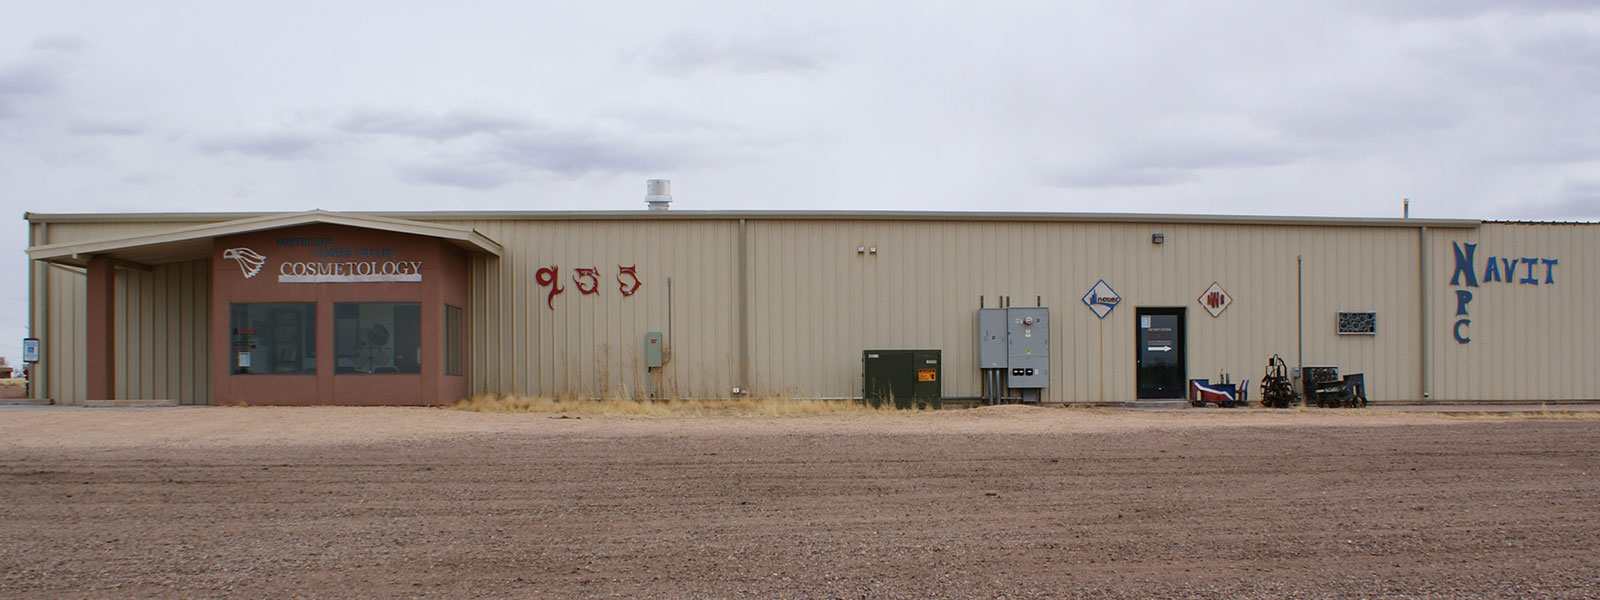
pixel 1358 323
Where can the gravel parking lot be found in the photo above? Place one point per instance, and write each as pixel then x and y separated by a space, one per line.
pixel 1000 502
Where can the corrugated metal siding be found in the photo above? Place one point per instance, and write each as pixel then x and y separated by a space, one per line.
pixel 817 303
pixel 60 328
pixel 1528 341
pixel 162 316
pixel 593 344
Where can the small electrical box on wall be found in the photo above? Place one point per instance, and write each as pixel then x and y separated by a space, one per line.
pixel 1028 347
pixel 652 350
pixel 1014 352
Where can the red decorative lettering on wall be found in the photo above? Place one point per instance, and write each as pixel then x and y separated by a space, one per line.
pixel 590 273
pixel 549 277
pixel 623 285
pixel 587 279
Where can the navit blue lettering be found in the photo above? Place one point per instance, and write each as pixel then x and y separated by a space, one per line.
pixel 1530 279
pixel 1464 265
pixel 1491 272
pixel 1495 268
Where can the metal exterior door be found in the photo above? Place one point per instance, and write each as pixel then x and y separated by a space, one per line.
pixel 1160 361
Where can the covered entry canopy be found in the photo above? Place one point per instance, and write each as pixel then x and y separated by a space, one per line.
pixel 193 243
pixel 101 258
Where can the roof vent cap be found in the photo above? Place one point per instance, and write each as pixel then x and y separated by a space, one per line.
pixel 658 194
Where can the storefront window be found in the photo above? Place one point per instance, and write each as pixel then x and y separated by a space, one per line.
pixel 452 340
pixel 277 338
pixel 377 337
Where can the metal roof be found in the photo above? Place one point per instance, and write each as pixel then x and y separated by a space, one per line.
pixel 1038 217
pixel 189 243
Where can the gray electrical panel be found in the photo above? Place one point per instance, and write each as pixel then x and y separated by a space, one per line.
pixel 992 338
pixel 652 350
pixel 1027 347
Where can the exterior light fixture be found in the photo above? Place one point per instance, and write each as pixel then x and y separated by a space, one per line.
pixel 1156 238
pixel 861 249
pixel 872 250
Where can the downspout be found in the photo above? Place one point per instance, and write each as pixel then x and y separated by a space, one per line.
pixel 1300 319
pixel 1422 301
pixel 744 313
pixel 666 354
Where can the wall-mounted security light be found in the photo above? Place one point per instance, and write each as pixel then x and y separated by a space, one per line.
pixel 861 249
pixel 1156 238
pixel 872 250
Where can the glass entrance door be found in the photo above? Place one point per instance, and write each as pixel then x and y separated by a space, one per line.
pixel 1160 362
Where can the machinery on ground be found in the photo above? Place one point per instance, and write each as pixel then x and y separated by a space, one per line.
pixel 1326 389
pixel 1277 391
pixel 1222 393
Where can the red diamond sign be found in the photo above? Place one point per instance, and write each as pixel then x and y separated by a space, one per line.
pixel 1215 300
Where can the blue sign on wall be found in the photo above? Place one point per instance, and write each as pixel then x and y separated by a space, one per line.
pixel 1518 270
pixel 1101 299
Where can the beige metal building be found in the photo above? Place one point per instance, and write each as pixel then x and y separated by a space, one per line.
pixel 563 303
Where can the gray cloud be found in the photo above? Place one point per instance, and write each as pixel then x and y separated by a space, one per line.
pixel 1465 9
pixel 276 145
pixel 115 127
pixel 1370 117
pixel 1171 161
pixel 577 154
pixel 27 79
pixel 1120 177
pixel 141 178
pixel 455 173
pixel 59 43
pixel 36 76
pixel 1575 47
pixel 441 127
pixel 515 147
pixel 1580 200
pixel 688 53
pixel 23 82
pixel 1582 207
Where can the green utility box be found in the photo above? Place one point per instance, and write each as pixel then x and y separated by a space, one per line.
pixel 905 377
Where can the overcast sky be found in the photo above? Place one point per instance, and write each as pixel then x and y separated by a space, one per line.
pixel 1471 108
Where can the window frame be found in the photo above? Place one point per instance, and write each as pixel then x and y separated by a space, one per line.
pixel 454 340
pixel 351 349
pixel 278 343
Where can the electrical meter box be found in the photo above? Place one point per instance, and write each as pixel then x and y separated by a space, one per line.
pixel 992 338
pixel 652 350
pixel 905 377
pixel 1027 347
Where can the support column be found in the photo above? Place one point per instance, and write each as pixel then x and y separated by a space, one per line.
pixel 102 329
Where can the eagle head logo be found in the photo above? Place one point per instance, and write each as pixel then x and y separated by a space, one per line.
pixel 249 261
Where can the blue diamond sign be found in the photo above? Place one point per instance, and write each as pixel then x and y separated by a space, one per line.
pixel 1101 299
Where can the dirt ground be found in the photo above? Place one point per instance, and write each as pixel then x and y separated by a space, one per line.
pixel 1002 502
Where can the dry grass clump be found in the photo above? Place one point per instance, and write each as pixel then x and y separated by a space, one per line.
pixel 1543 414
pixel 764 406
